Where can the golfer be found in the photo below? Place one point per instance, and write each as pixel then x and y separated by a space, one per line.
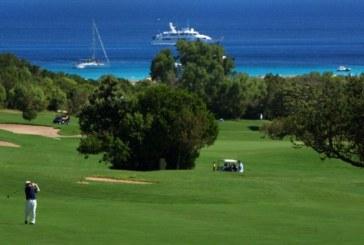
pixel 31 201
pixel 241 167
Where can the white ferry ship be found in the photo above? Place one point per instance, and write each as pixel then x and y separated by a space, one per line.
pixel 172 36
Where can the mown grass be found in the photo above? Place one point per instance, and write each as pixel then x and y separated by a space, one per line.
pixel 286 195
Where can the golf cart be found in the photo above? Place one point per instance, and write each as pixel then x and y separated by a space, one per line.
pixel 62 117
pixel 230 165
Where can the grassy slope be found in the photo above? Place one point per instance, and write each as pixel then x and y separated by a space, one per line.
pixel 286 196
pixel 43 119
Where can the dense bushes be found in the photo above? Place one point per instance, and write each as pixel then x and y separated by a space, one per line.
pixel 207 71
pixel 28 88
pixel 202 69
pixel 324 111
pixel 146 126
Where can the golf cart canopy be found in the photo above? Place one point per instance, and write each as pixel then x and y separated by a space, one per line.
pixel 229 161
pixel 62 111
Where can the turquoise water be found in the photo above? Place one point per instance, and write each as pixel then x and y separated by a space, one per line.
pixel 140 71
pixel 131 71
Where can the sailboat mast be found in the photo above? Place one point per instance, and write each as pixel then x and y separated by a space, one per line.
pixel 93 41
pixel 100 41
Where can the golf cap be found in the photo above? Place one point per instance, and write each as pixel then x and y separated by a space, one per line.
pixel 28 182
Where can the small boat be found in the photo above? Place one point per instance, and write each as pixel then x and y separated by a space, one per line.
pixel 93 62
pixel 89 63
pixel 343 69
pixel 172 36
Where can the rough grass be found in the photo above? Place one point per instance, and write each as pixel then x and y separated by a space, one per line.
pixel 286 196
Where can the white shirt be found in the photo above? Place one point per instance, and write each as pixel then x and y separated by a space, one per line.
pixel 241 168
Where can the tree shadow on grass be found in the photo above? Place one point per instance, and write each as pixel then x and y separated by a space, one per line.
pixel 254 128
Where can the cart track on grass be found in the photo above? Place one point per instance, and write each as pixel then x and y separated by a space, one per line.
pixel 8 144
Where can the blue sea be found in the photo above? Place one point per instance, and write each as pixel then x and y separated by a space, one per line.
pixel 286 37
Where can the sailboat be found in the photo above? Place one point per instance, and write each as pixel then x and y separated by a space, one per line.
pixel 93 62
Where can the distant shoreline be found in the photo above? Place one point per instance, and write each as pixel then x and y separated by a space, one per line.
pixel 141 72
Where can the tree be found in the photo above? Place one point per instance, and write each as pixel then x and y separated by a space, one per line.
pixel 204 68
pixel 14 71
pixel 31 89
pixel 208 56
pixel 57 99
pixel 327 115
pixel 111 123
pixel 163 67
pixel 181 126
pixel 278 93
pixel 2 96
pixel 137 131
pixel 201 69
pixel 233 97
pixel 256 92
pixel 354 90
pixel 55 96
pixel 78 97
pixel 29 114
pixel 28 98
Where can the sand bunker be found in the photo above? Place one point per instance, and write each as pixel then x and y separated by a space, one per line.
pixel 8 144
pixel 118 181
pixel 31 129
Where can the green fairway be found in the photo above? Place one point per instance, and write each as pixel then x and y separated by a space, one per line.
pixel 286 195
